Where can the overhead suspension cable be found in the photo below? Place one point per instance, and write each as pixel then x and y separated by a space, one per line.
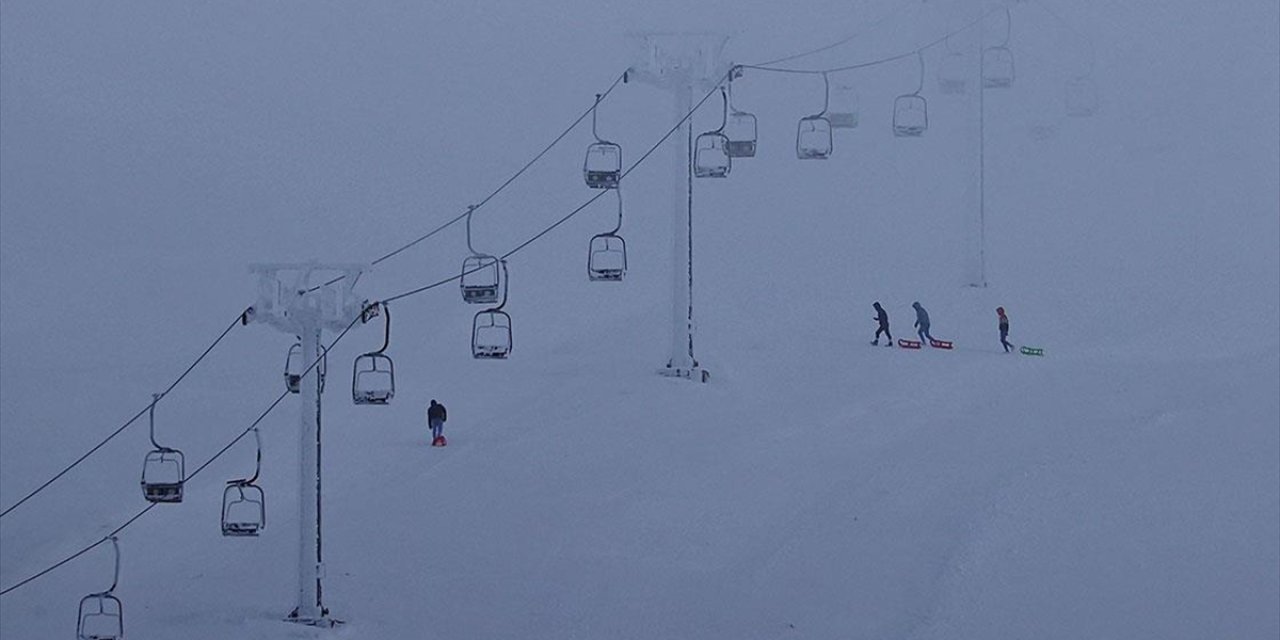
pixel 521 246
pixel 887 17
pixel 240 319
pixel 583 116
pixel 879 61
pixel 577 209
pixel 190 477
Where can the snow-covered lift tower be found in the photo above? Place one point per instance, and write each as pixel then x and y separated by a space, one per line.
pixel 304 300
pixel 681 63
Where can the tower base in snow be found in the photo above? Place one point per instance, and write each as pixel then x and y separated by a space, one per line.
pixel 695 373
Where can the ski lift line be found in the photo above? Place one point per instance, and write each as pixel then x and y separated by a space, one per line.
pixel 879 61
pixel 252 427
pixel 580 208
pixel 92 546
pixel 150 406
pixel 887 17
pixel 589 112
pixel 353 322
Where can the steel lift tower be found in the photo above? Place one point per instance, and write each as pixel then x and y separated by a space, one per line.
pixel 684 64
pixel 303 300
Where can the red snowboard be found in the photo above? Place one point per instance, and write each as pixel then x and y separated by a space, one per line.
pixel 908 344
pixel 439 441
pixel 940 344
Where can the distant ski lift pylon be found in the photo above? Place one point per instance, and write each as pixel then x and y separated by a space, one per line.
pixel 1081 97
pixel 373 378
pixel 481 273
pixel 163 469
pixel 101 615
pixel 813 133
pixel 843 112
pixel 607 252
pixel 740 126
pixel 244 505
pixel 603 165
pixel 911 111
pixel 711 149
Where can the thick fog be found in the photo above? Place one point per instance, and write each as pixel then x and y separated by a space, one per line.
pixel 150 151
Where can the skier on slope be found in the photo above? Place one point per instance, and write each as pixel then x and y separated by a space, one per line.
pixel 436 415
pixel 1004 329
pixel 882 318
pixel 922 322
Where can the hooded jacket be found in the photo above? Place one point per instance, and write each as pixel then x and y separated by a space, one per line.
pixel 922 316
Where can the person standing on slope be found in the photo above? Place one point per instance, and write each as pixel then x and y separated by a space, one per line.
pixel 883 319
pixel 436 415
pixel 1004 329
pixel 922 322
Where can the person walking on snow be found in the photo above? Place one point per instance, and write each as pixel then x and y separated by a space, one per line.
pixel 436 416
pixel 883 319
pixel 922 322
pixel 1004 329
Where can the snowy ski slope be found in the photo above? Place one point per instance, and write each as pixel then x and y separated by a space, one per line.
pixel 1127 485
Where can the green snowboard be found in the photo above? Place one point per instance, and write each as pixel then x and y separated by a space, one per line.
pixel 1032 351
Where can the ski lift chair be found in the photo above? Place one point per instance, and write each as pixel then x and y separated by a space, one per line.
pixel 607 258
pixel 910 116
pixel 163 472
pixel 1081 97
pixel 373 379
pixel 101 615
pixel 480 279
pixel 244 509
pixel 997 68
pixel 741 132
pixel 844 115
pixel 101 618
pixel 603 166
pixel 813 138
pixel 293 368
pixel 163 469
pixel 711 156
pixel 951 74
pixel 491 334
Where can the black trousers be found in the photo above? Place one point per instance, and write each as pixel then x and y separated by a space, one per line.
pixel 884 328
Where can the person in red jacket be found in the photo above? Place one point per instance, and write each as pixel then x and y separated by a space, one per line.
pixel 1004 329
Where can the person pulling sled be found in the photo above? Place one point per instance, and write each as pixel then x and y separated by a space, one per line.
pixel 922 323
pixel 1004 329
pixel 436 415
pixel 882 318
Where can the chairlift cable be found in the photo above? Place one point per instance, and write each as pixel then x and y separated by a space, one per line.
pixel 483 201
pixel 576 210
pixel 252 427
pixel 879 61
pixel 240 319
pixel 851 38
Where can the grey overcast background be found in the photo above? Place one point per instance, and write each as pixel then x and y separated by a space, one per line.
pixel 1126 486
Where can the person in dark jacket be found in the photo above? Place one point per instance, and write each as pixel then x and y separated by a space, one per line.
pixel 922 322
pixel 882 318
pixel 436 415
pixel 1004 329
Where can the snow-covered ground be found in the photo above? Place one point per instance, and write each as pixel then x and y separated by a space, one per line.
pixel 1127 485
